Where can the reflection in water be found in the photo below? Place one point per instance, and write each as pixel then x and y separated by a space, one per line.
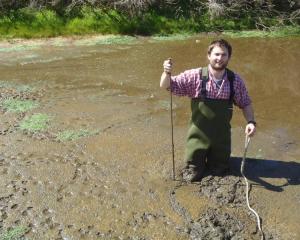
pixel 116 184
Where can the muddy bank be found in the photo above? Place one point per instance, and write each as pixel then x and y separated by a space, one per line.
pixel 99 166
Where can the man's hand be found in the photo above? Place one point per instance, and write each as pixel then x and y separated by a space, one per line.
pixel 168 66
pixel 166 75
pixel 250 129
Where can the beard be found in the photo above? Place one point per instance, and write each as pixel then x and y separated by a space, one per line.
pixel 217 66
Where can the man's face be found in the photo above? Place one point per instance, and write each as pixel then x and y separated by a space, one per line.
pixel 218 58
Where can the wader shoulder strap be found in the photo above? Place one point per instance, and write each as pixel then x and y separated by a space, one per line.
pixel 231 78
pixel 204 78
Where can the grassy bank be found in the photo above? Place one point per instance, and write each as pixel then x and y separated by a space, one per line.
pixel 27 23
pixel 274 32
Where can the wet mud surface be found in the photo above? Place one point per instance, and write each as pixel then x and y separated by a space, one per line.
pixel 225 215
pixel 113 179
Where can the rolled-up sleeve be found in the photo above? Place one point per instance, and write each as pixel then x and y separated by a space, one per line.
pixel 241 96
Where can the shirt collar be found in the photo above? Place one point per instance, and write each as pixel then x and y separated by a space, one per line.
pixel 210 76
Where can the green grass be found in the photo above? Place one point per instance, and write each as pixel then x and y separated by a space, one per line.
pixel 35 123
pixel 71 135
pixel 16 233
pixel 29 23
pixel 15 105
pixel 274 32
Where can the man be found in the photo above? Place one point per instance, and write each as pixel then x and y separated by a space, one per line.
pixel 213 91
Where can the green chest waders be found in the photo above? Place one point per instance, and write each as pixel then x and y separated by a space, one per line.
pixel 209 135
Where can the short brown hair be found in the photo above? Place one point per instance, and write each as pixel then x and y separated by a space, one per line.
pixel 220 43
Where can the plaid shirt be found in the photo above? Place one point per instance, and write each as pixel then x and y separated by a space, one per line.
pixel 189 83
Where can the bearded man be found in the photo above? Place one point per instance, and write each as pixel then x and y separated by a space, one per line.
pixel 213 91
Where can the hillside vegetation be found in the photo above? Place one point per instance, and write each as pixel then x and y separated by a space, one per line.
pixel 40 18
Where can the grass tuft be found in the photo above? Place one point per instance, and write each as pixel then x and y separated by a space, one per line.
pixel 15 105
pixel 71 135
pixel 16 233
pixel 35 123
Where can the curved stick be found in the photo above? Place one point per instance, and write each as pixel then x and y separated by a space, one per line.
pixel 247 141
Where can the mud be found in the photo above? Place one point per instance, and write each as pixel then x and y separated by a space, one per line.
pixel 225 216
pixel 116 183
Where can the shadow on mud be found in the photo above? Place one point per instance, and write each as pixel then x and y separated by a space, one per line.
pixel 256 169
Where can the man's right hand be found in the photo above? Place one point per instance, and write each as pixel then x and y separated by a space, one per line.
pixel 168 66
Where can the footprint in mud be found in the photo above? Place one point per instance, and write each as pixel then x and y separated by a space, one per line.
pixel 50 223
pixel 4 161
pixel 14 206
pixel 84 231
pixel 5 171
pixel 24 213
pixel 47 211
pixel 59 198
pixel 3 214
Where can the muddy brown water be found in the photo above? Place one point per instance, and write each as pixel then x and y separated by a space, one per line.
pixel 117 184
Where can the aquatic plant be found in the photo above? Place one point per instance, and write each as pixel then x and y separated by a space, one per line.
pixel 16 105
pixel 15 233
pixel 71 135
pixel 35 123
